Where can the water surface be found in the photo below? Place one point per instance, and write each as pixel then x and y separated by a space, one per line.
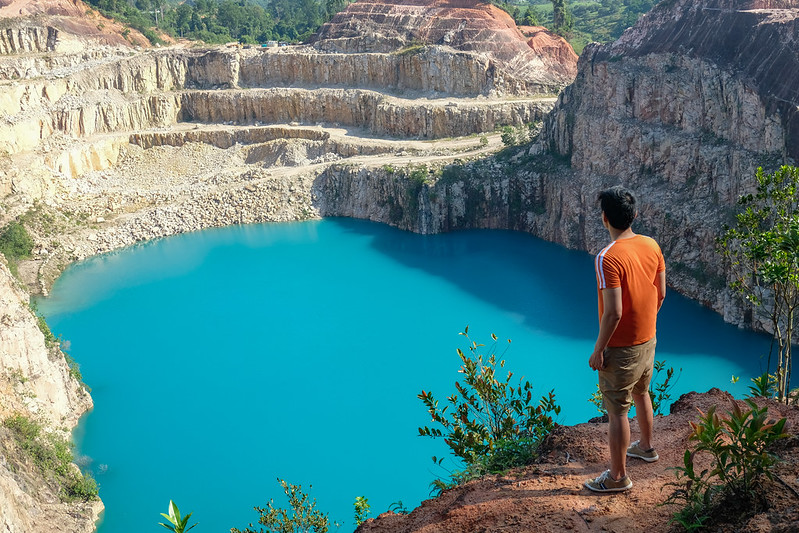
pixel 224 359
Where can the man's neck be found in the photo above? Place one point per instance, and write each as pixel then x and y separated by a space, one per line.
pixel 616 234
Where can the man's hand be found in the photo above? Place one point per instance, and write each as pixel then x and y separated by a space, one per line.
pixel 597 360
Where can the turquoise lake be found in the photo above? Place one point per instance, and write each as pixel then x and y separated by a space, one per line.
pixel 222 360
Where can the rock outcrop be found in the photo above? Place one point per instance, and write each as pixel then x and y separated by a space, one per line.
pixel 472 26
pixel 683 108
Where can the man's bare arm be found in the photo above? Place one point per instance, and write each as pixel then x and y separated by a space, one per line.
pixel 660 283
pixel 611 315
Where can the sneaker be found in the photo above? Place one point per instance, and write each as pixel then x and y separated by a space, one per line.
pixel 605 483
pixel 650 455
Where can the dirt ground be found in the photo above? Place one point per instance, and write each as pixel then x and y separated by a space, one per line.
pixel 550 497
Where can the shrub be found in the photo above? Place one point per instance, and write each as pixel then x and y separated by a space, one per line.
pixel 492 425
pixel 509 136
pixel 740 460
pixel 52 455
pixel 362 509
pixel 303 518
pixel 764 386
pixel 15 242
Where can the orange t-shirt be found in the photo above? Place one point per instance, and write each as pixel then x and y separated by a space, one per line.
pixel 633 265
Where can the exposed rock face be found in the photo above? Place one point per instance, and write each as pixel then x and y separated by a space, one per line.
pixel 121 94
pixel 546 44
pixel 380 114
pixel 686 131
pixel 71 26
pixel 684 108
pixel 35 381
pixel 466 25
pixel 24 39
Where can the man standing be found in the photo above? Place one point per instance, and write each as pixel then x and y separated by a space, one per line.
pixel 631 281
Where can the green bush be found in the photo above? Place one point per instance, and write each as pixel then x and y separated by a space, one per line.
pixel 492 425
pixel 740 461
pixel 362 509
pixel 15 242
pixel 52 455
pixel 303 517
pixel 764 386
pixel 509 136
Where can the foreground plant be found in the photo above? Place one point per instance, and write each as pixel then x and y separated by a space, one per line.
pixel 489 423
pixel 303 517
pixel 177 523
pixel 740 460
pixel 362 509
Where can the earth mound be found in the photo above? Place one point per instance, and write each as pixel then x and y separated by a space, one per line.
pixel 74 19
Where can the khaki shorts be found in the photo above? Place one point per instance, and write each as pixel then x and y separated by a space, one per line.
pixel 628 370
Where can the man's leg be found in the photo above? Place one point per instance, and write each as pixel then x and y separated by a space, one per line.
pixel 644 415
pixel 619 440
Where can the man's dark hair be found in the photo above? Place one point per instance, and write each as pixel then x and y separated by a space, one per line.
pixel 618 204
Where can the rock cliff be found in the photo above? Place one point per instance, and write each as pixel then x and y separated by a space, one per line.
pixel 36 382
pixel 683 116
pixel 684 107
pixel 471 26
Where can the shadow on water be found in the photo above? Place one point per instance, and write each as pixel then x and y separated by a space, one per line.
pixel 544 282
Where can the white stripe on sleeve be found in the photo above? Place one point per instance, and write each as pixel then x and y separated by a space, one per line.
pixel 600 273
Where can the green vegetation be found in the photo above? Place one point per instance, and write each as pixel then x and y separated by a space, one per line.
pixel 52 455
pixel 740 461
pixel 513 136
pixel 581 21
pixel 411 49
pixel 764 386
pixel 492 425
pixel 219 21
pixel 177 524
pixel 303 517
pixel 362 509
pixel 15 244
pixel 660 388
pixel 762 250
pixel 660 391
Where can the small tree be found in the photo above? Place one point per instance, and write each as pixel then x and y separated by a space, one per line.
pixel 488 412
pixel 763 253
pixel 304 517
pixel 15 242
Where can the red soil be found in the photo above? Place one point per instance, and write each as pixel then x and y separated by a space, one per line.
pixel 550 497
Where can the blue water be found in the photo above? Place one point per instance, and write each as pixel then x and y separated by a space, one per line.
pixel 224 359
